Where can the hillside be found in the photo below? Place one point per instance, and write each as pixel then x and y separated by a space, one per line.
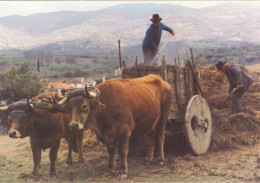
pixel 128 22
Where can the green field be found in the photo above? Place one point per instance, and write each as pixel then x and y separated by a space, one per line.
pixel 98 64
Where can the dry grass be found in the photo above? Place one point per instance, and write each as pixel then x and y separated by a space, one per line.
pixel 232 130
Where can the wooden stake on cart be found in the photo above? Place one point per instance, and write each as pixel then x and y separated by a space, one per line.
pixel 194 66
pixel 196 78
pixel 163 69
pixel 177 83
pixel 193 63
pixel 187 77
pixel 186 82
pixel 136 66
pixel 124 64
pixel 178 53
pixel 187 56
pixel 119 48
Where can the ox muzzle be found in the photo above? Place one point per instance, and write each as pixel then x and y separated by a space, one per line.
pixel 14 134
pixel 76 125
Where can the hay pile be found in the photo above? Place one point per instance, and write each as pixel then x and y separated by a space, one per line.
pixel 90 139
pixel 232 129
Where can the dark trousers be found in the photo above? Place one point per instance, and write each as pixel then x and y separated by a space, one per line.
pixel 235 98
pixel 149 56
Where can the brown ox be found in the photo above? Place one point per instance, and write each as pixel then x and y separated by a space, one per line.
pixel 45 130
pixel 118 108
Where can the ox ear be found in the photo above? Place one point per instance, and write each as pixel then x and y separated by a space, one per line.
pixel 63 91
pixel 102 106
pixel 96 104
pixel 30 106
pixel 89 94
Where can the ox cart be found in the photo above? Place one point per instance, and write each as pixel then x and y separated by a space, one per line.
pixel 189 111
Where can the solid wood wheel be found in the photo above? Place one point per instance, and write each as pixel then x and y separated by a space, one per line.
pixel 198 125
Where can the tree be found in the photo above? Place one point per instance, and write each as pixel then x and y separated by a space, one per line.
pixel 40 54
pixel 48 58
pixel 20 83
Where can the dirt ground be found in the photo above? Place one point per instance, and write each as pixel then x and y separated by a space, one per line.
pixel 234 154
pixel 242 165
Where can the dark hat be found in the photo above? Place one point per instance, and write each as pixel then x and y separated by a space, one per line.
pixel 156 18
pixel 219 65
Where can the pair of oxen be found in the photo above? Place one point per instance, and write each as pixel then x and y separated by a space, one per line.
pixel 115 110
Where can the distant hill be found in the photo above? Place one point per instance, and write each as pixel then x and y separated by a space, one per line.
pixel 128 22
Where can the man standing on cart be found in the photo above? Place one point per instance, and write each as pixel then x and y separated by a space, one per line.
pixel 152 40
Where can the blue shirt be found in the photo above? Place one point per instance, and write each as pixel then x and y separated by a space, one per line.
pixel 153 36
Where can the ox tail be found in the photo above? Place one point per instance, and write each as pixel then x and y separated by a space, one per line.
pixel 74 144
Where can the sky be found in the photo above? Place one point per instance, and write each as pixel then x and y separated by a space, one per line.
pixel 25 8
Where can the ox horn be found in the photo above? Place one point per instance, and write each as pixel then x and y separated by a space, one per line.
pixel 63 101
pixel 5 108
pixel 90 94
pixel 30 106
pixel 53 100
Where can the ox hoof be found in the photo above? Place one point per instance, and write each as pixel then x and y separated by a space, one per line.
pixel 68 163
pixel 147 162
pixel 109 174
pixel 122 175
pixel 111 171
pixel 29 176
pixel 161 163
pixel 53 174
pixel 81 161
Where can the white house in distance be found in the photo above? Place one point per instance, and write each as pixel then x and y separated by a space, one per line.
pixel 56 85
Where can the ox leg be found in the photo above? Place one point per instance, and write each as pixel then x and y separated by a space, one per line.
pixel 36 158
pixel 80 145
pixel 53 156
pixel 112 159
pixel 160 137
pixel 149 139
pixel 160 129
pixel 69 156
pixel 123 152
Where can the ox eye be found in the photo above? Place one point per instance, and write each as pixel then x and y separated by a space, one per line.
pixel 84 107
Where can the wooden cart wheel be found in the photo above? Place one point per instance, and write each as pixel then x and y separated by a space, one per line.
pixel 198 125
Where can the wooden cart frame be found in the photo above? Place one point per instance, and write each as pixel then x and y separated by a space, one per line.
pixel 187 106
